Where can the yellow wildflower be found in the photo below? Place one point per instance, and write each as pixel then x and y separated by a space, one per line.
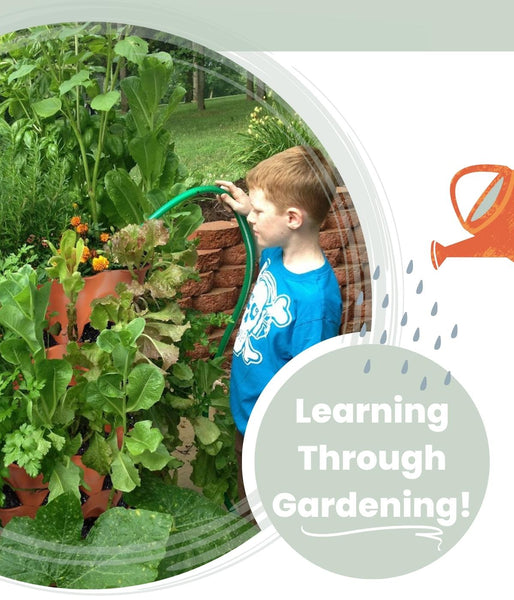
pixel 105 237
pixel 100 263
pixel 75 221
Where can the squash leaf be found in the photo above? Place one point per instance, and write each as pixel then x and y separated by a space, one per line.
pixel 202 531
pixel 123 548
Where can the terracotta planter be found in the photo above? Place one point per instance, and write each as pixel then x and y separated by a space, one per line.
pixel 31 492
pixel 97 498
pixel 96 286
pixel 58 351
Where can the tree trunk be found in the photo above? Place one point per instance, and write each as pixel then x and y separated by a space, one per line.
pixel 189 85
pixel 198 77
pixel 124 101
pixel 260 89
pixel 249 86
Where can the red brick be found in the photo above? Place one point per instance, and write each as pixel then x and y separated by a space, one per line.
pixel 358 311
pixel 348 274
pixel 330 222
pixel 333 238
pixel 198 352
pixel 356 254
pixel 185 302
pixel 343 198
pixel 334 256
pixel 230 276
pixel 217 335
pixel 217 234
pixel 354 326
pixel 216 300
pixel 234 255
pixel 342 218
pixel 357 236
pixel 350 293
pixel 196 288
pixel 208 260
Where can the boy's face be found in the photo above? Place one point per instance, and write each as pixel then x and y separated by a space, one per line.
pixel 270 228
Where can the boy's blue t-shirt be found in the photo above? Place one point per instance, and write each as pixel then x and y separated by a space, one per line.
pixel 287 313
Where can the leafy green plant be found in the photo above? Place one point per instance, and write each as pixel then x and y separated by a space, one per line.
pixel 64 267
pixel 137 377
pixel 113 387
pixel 272 128
pixel 124 547
pixel 32 421
pixel 26 254
pixel 36 199
pixel 62 89
pixel 169 531
pixel 194 387
pixel 202 531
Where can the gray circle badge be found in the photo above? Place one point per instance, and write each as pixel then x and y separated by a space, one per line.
pixel 371 461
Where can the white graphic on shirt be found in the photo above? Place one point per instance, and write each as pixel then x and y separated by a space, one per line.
pixel 265 308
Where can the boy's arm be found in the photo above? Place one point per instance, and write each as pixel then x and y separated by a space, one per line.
pixel 236 198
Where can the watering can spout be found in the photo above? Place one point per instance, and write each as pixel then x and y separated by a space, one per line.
pixel 437 254
pixel 476 246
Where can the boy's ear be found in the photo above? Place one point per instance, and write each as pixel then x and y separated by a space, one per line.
pixel 294 218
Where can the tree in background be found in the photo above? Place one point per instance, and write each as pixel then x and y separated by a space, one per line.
pixel 203 73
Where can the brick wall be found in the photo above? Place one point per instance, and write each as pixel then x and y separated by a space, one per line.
pixel 222 256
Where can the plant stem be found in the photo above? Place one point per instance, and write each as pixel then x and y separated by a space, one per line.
pixel 109 81
pixel 111 498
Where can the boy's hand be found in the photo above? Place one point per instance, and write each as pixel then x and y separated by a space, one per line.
pixel 236 198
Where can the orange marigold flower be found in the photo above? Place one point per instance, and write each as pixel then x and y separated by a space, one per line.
pixel 75 221
pixel 105 237
pixel 86 253
pixel 100 263
pixel 82 228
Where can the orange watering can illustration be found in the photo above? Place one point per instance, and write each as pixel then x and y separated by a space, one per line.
pixel 490 220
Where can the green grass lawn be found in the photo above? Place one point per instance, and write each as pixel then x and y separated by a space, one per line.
pixel 207 141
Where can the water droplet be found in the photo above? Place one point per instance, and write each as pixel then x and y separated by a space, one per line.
pixel 376 274
pixel 455 331
pixel 367 367
pixel 405 367
pixel 423 385
pixel 383 337
pixel 416 335
pixel 385 301
pixel 363 330
pixel 404 320
pixel 410 267
pixel 419 289
pixel 437 344
pixel 360 298
pixel 434 309
pixel 448 378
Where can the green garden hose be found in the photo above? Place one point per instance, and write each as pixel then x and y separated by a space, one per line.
pixel 249 246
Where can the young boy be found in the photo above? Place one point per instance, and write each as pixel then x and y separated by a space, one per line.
pixel 296 301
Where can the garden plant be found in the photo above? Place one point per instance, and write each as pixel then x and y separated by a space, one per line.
pixel 272 128
pixel 101 383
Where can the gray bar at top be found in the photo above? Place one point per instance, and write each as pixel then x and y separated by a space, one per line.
pixel 249 25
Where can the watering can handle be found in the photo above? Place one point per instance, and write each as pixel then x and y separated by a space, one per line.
pixel 249 246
